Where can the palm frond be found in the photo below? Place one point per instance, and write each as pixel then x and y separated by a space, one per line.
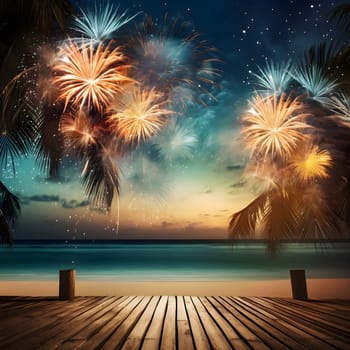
pixel 341 14
pixel 243 223
pixel 319 215
pixel 18 128
pixel 320 55
pixel 9 204
pixel 332 58
pixel 100 178
pixel 41 15
pixel 5 230
pixel 9 211
pixel 49 145
pixel 279 219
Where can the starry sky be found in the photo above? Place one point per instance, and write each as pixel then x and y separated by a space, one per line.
pixel 190 195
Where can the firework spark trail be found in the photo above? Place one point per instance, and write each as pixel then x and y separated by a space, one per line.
pixel 339 104
pixel 274 78
pixel 101 23
pixel 315 82
pixel 87 77
pixel 274 126
pixel 312 163
pixel 138 114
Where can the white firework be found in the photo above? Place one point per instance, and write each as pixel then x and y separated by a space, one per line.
pixel 177 141
pixel 102 22
pixel 315 82
pixel 274 78
pixel 339 104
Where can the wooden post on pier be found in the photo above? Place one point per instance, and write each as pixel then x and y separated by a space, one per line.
pixel 298 282
pixel 67 285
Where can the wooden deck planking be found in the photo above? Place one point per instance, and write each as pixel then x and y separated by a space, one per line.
pixel 168 340
pixel 316 325
pixel 184 336
pixel 173 322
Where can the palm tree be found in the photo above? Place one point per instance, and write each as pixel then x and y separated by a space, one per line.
pixel 21 125
pixel 302 212
pixel 305 191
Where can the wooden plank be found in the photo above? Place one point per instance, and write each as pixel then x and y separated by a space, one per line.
pixel 216 337
pixel 301 323
pixel 121 326
pixel 154 332
pixel 316 320
pixel 101 318
pixel 184 336
pixel 57 333
pixel 24 331
pixel 269 326
pixel 76 328
pixel 330 314
pixel 232 336
pixel 199 337
pixel 253 324
pixel 168 339
pixel 137 334
pixel 300 339
pixel 244 332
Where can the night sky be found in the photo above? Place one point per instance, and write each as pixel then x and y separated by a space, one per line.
pixel 192 193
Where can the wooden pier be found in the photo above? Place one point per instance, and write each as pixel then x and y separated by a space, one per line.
pixel 173 322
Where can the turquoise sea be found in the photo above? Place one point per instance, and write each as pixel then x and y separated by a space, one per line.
pixel 171 261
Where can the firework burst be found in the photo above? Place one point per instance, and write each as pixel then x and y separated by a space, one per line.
pixel 274 78
pixel 177 141
pixel 101 23
pixel 340 105
pixel 174 59
pixel 274 126
pixel 137 114
pixel 78 131
pixel 312 163
pixel 87 77
pixel 315 82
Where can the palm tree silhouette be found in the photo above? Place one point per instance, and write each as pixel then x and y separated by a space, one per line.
pixel 21 122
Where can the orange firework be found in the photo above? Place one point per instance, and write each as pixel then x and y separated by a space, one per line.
pixel 78 131
pixel 89 77
pixel 311 163
pixel 274 126
pixel 138 114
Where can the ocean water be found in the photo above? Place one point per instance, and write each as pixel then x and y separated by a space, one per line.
pixel 142 261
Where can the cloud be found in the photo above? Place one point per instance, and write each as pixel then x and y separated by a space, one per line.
pixel 193 225
pixel 234 167
pixel 239 183
pixel 166 224
pixel 208 191
pixel 75 204
pixel 53 198
pixel 42 198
